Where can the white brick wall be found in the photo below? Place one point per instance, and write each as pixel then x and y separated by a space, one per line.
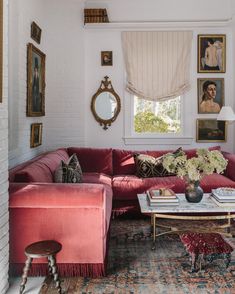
pixel 4 226
pixel 63 43
pixel 21 14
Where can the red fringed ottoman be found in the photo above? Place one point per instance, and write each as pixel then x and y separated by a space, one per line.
pixel 207 247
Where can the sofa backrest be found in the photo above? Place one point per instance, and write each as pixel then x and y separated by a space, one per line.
pixel 123 160
pixel 104 160
pixel 192 152
pixel 94 159
pixel 124 164
pixel 40 169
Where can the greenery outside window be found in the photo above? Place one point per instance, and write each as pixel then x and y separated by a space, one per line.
pixel 152 117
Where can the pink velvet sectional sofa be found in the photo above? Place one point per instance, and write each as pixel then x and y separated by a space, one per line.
pixel 78 215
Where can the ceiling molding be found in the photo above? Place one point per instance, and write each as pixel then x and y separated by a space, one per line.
pixel 160 24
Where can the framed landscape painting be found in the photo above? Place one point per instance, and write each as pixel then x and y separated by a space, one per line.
pixel 35 81
pixel 210 92
pixel 211 53
pixel 36 135
pixel 211 130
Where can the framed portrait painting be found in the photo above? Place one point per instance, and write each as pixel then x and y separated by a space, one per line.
pixel 106 57
pixel 210 92
pixel 211 53
pixel 36 135
pixel 35 81
pixel 211 130
pixel 36 32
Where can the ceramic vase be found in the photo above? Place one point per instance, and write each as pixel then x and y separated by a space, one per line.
pixel 193 192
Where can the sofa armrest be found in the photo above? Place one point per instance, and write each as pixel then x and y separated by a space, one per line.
pixel 58 195
pixel 230 170
pixel 76 215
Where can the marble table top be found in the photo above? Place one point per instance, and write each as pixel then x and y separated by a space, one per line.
pixel 206 205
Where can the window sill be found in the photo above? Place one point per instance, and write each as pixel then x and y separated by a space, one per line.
pixel 158 141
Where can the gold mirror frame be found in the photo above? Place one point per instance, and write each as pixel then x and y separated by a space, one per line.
pixel 105 86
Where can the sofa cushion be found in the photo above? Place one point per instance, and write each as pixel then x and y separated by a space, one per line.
pixel 42 169
pixel 148 166
pixel 126 187
pixel 124 163
pixel 69 171
pixel 35 172
pixel 215 181
pixel 230 169
pixel 99 178
pixel 94 160
pixel 52 159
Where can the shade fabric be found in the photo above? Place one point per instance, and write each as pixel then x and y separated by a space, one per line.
pixel 157 63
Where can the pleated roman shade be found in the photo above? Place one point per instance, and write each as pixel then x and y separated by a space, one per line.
pixel 157 63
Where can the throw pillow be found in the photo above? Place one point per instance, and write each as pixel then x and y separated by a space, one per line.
pixel 148 166
pixel 69 172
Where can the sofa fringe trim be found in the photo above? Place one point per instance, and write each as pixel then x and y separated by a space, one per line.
pixel 92 270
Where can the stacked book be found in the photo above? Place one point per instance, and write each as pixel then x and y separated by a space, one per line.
pixel 162 197
pixel 95 15
pixel 224 196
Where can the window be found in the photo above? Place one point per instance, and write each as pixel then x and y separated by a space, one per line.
pixel 150 117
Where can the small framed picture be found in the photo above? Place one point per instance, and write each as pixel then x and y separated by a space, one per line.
pixel 211 53
pixel 210 94
pixel 35 81
pixel 36 32
pixel 106 57
pixel 36 135
pixel 211 130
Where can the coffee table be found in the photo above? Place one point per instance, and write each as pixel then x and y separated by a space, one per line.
pixel 202 217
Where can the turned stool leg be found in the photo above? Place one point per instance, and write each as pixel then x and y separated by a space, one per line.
pixel 25 274
pixel 55 273
pixel 49 266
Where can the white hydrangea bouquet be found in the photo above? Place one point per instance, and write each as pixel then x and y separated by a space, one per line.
pixel 193 169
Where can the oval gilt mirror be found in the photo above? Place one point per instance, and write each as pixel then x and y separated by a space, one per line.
pixel 105 104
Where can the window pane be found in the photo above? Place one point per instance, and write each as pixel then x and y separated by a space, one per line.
pixel 157 117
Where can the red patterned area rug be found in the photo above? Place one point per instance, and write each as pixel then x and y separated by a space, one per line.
pixel 134 268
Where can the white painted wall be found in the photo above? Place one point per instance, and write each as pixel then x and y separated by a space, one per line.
pixel 4 216
pixel 73 70
pixel 62 42
pixel 165 10
pixel 65 99
pixel 102 39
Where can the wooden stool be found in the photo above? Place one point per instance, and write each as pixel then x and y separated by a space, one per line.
pixel 205 247
pixel 47 249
